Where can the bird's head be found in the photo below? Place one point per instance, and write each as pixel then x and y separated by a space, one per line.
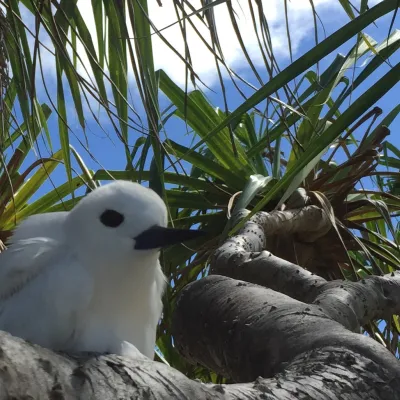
pixel 120 223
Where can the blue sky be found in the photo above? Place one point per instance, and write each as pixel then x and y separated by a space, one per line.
pixel 106 148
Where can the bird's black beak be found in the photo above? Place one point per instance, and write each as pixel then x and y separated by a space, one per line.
pixel 158 237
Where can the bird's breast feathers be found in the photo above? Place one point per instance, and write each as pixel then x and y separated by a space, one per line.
pixel 49 298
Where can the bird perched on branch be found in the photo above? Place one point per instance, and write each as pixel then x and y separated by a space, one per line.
pixel 89 279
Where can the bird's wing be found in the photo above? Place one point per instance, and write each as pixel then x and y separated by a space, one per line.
pixel 43 290
pixel 157 291
pixel 41 225
pixel 22 262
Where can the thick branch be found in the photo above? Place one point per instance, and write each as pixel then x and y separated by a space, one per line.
pixel 263 268
pixel 353 304
pixel 243 331
pixel 28 371
pixel 241 256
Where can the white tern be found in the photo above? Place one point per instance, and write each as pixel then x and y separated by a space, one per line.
pixel 89 280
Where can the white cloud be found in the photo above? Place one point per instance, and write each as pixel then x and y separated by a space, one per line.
pixel 300 19
pixel 301 25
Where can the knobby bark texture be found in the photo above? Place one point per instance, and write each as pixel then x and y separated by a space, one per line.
pixel 30 372
pixel 273 328
pixel 261 315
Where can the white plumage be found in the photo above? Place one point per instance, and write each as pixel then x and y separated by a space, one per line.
pixel 89 279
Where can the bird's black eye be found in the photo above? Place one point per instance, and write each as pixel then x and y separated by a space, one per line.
pixel 111 218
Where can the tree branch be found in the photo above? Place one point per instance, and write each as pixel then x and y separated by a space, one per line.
pixel 29 371
pixel 242 256
pixel 242 331
pixel 353 304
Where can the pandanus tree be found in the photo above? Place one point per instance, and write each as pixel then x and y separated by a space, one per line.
pixel 293 293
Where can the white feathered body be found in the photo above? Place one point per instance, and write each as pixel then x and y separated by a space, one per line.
pixel 49 296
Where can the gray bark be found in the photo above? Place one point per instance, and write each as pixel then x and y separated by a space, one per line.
pixel 335 371
pixel 243 331
pixel 279 314
pixel 31 372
